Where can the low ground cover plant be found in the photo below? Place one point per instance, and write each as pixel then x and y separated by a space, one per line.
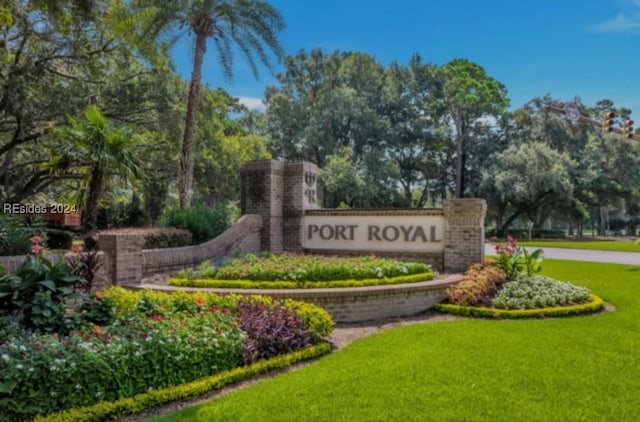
pixel 526 292
pixel 126 343
pixel 290 270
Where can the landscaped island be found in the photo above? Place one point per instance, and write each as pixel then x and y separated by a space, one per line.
pixel 510 288
pixel 288 271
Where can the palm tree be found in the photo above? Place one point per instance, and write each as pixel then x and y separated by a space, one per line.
pixel 102 149
pixel 251 25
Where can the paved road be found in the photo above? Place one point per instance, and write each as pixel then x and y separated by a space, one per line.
pixel 632 258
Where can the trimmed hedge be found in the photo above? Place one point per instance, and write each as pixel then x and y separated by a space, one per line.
pixel 595 304
pixel 59 239
pixel 167 237
pixel 117 409
pixel 249 284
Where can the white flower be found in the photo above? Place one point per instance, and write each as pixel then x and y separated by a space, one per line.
pixel 5 357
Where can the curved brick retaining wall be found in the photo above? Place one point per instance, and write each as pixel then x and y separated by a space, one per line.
pixel 353 304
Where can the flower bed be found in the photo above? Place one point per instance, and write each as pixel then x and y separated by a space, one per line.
pixel 509 288
pixel 143 342
pixel 289 271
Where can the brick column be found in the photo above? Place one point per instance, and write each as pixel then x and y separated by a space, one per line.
pixel 300 194
pixel 263 194
pixel 125 257
pixel 464 233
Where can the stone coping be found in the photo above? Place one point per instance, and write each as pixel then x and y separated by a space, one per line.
pixel 442 280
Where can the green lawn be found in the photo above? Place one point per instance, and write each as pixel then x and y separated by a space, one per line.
pixel 602 245
pixel 576 369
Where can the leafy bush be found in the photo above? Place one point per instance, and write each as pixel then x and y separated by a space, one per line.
pixel 16 232
pixel 37 293
pixel 116 409
pixel 311 268
pixel 477 285
pixel 204 223
pixel 528 292
pixel 59 239
pixel 167 237
pixel 41 374
pixel 86 266
pixel 271 330
pixel 128 303
pixel 513 259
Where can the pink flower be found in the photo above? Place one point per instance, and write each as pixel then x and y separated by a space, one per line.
pixel 509 249
pixel 36 249
pixel 510 239
pixel 497 248
pixel 36 239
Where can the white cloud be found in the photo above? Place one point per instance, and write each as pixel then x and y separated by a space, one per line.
pixel 252 103
pixel 620 23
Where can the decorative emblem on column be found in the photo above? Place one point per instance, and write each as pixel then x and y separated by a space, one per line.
pixel 310 191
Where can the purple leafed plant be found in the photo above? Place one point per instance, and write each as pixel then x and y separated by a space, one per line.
pixel 272 329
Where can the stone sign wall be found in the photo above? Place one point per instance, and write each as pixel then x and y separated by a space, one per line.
pixel 285 195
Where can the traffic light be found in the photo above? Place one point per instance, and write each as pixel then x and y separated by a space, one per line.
pixel 607 121
pixel 627 129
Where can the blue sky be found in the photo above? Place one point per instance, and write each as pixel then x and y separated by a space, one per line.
pixel 567 48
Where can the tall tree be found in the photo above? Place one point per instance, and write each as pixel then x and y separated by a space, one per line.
pixel 469 94
pixel 252 25
pixel 104 150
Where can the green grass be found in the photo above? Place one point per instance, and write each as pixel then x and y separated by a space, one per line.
pixel 602 245
pixel 571 369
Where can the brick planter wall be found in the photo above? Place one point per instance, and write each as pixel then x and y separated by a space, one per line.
pixel 130 263
pixel 355 304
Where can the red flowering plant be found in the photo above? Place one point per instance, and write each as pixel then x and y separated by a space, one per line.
pixel 513 259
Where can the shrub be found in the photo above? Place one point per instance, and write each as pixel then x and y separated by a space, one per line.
pixel 117 409
pixel 167 237
pixel 41 374
pixel 15 234
pixel 59 239
pixel 37 293
pixel 312 268
pixel 513 259
pixel 477 285
pixel 204 223
pixel 271 330
pixel 91 241
pixel 127 303
pixel 528 292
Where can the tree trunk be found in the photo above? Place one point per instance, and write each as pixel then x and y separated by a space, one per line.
pixel 185 180
pixel 95 191
pixel 459 164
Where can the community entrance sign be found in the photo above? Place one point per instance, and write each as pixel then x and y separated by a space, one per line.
pixel 284 196
pixel 374 233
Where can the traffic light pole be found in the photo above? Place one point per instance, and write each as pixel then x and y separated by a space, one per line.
pixel 584 119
